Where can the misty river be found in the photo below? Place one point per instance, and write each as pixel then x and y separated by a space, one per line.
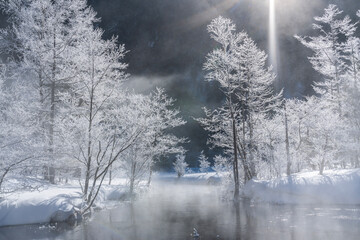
pixel 171 211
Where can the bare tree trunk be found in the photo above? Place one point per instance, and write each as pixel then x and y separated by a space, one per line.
pixel 92 200
pixel 322 166
pixel 51 171
pixel 247 172
pixel 132 179
pixel 235 163
pixel 288 161
pixel 110 174
pixel 251 162
pixel 323 160
pixel 88 162
pixel 111 156
pixel 89 197
pixel 338 88
pixel 45 171
pixel 89 144
pixel 3 176
pixel 150 175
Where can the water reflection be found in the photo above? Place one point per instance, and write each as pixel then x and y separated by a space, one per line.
pixel 133 221
pixel 172 211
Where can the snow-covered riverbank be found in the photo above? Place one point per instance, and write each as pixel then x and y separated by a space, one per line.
pixel 46 203
pixel 333 187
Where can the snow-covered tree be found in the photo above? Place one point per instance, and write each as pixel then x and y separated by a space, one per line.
pixel 219 64
pixel 222 167
pixel 164 118
pixel 351 99
pixel 80 110
pixel 135 164
pixel 180 165
pixel 313 132
pixel 270 150
pixel 17 120
pixel 239 67
pixel 204 163
pixel 328 58
pixel 324 131
pixel 257 99
pixel 336 58
pixel 221 164
pixel 299 121
pixel 90 104
pixel 153 119
pixel 45 35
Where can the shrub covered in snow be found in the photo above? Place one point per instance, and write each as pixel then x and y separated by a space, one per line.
pixel 180 165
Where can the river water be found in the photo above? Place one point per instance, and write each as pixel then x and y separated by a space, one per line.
pixel 171 211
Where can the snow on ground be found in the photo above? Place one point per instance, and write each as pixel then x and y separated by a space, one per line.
pixel 39 206
pixel 48 202
pixel 333 187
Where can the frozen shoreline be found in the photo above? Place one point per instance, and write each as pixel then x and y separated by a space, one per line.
pixel 333 187
pixel 62 202
pixel 52 203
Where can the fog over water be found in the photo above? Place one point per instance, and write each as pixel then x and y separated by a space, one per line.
pixel 172 210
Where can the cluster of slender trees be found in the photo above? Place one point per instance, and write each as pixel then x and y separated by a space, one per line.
pixel 64 109
pixel 65 112
pixel 264 135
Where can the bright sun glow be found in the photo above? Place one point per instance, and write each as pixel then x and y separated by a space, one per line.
pixel 272 35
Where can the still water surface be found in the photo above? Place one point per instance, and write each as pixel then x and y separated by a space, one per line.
pixel 171 211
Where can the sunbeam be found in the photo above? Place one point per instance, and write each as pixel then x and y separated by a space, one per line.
pixel 273 36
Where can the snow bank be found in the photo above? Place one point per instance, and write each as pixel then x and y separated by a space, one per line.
pixel 334 187
pixel 51 203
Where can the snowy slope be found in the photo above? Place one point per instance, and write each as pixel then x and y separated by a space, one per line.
pixel 334 187
pixel 39 206
pixel 51 203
